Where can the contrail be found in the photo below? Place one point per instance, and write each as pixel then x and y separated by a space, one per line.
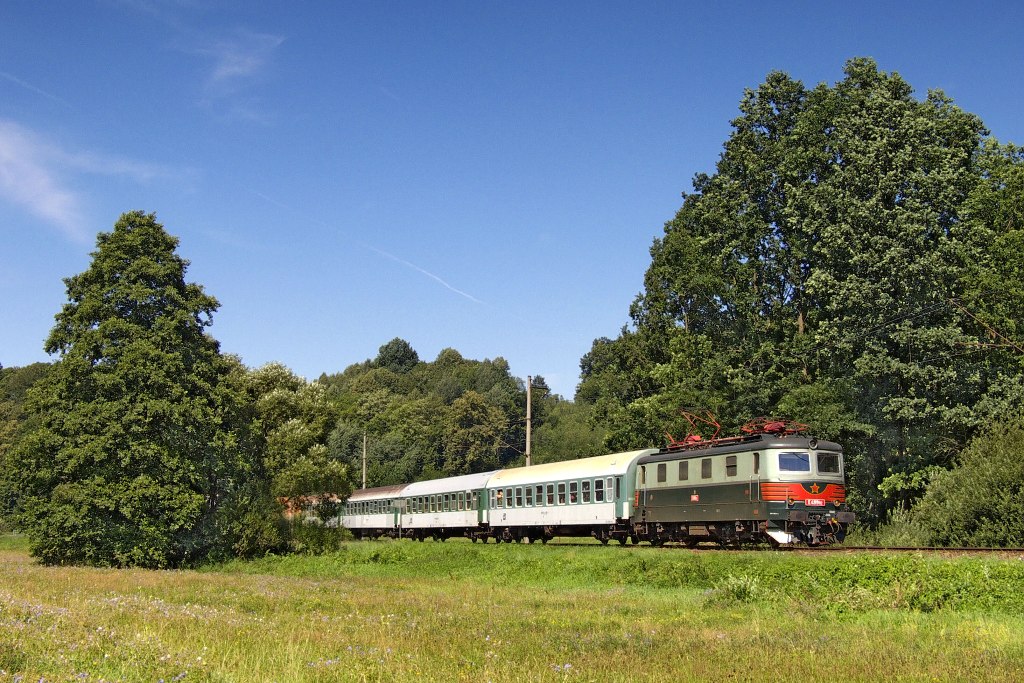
pixel 28 86
pixel 386 254
pixel 425 272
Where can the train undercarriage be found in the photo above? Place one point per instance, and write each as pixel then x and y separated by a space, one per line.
pixel 804 530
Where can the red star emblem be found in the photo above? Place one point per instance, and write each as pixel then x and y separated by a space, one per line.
pixel 815 488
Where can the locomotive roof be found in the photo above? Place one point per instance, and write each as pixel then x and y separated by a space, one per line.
pixel 755 442
pixel 583 468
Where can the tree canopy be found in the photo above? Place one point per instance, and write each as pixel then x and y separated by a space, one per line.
pixel 853 262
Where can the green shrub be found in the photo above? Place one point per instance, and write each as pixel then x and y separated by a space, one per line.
pixel 981 502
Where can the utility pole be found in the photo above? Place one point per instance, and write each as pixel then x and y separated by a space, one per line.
pixel 529 413
pixel 364 460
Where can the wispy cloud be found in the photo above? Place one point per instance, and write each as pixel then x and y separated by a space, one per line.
pixel 239 58
pixel 37 175
pixel 235 60
pixel 31 88
pixel 238 61
pixel 28 179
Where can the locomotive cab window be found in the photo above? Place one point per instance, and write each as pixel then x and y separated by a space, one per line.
pixel 684 470
pixel 794 461
pixel 705 468
pixel 662 472
pixel 828 463
pixel 730 466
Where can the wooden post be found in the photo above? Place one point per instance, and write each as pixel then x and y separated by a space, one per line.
pixel 529 414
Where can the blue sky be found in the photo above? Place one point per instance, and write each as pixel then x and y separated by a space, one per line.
pixel 477 175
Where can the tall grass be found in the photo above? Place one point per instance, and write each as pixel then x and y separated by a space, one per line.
pixel 391 611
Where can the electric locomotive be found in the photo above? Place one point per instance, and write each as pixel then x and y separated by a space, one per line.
pixel 773 483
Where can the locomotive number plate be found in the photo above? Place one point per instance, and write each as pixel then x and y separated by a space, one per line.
pixel 815 502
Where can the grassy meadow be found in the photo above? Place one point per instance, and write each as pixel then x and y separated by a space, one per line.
pixel 455 611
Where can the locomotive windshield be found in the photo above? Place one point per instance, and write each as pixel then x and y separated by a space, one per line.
pixel 795 461
pixel 828 463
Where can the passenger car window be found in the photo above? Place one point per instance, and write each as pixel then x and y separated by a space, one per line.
pixel 585 484
pixel 828 463
pixel 598 490
pixel 795 461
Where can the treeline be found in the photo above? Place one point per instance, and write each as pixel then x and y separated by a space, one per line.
pixel 855 262
pixel 143 444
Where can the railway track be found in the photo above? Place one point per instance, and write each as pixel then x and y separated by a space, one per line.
pixel 1019 552
pixel 914 549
